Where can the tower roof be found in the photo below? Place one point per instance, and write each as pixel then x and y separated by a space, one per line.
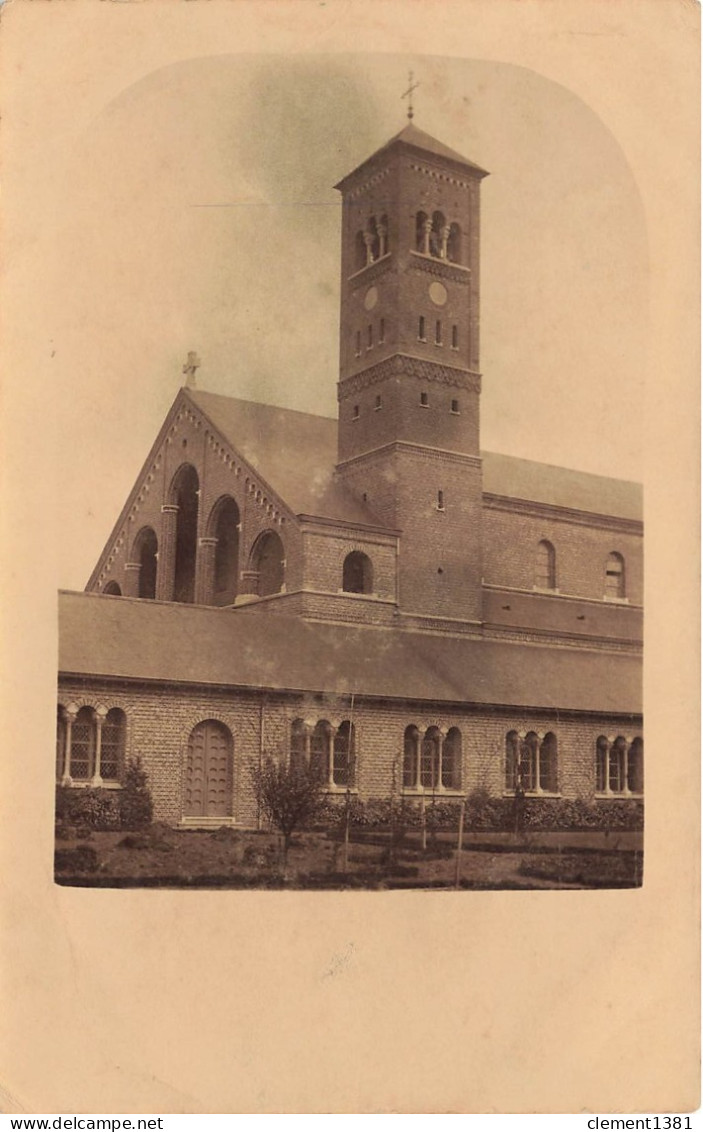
pixel 417 139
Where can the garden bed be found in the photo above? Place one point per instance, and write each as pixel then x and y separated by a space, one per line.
pixel 226 858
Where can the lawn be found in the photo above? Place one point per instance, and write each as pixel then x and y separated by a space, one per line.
pixel 163 857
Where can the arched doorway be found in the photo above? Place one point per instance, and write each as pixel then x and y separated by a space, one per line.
pixel 208 771
pixel 186 495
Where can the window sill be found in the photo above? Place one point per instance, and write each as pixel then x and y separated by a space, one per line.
pixel 616 600
pixel 381 259
pixel 440 259
pixel 86 784
pixel 432 793
pixel 534 794
pixel 619 796
pixel 337 790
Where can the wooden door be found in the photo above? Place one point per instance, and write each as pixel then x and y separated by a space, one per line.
pixel 208 786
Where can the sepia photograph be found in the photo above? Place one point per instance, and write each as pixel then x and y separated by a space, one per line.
pixel 336 632
pixel 348 352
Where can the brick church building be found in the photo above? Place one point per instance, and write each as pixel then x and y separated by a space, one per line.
pixel 373 592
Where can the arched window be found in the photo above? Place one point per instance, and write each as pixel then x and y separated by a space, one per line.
pixel 186 491
pixel 383 241
pixel 619 766
pixel 112 747
pixel 411 757
pixel 321 748
pixel 617 773
pixel 359 251
pixel 545 566
pixel 422 233
pixel 528 768
pixel 112 589
pixel 615 576
pixel 635 767
pixel 83 745
pixel 602 749
pixel 430 755
pixel 344 755
pixel 512 759
pixel 299 744
pixel 268 560
pixel 438 240
pixel 451 760
pixel 372 229
pixel 60 742
pixel 145 548
pixel 357 573
pixel 208 780
pixel 226 531
pixel 454 244
pixel 548 764
pixel 530 764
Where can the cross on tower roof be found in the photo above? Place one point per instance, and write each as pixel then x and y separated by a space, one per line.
pixel 409 94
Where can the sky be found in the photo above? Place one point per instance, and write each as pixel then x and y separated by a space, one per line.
pixel 197 212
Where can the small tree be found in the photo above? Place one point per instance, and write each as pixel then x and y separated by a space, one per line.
pixel 290 796
pixel 136 809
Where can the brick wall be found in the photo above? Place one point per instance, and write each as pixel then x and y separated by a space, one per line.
pixel 325 550
pixel 355 609
pixel 440 550
pixel 160 721
pixel 189 440
pixel 562 616
pixel 511 535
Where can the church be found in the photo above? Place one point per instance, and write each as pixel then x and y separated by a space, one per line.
pixel 375 593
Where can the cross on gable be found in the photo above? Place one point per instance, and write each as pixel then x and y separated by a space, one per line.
pixel 192 363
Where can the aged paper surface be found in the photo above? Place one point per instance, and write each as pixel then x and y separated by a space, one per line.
pixel 160 1001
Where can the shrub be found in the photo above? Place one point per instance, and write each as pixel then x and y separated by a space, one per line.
pixel 136 808
pixel 289 795
pixel 87 808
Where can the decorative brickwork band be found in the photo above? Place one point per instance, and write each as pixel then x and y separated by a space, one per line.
pixel 166 565
pixel 422 261
pixel 411 367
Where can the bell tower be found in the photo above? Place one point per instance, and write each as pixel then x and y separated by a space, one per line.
pixel 408 434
